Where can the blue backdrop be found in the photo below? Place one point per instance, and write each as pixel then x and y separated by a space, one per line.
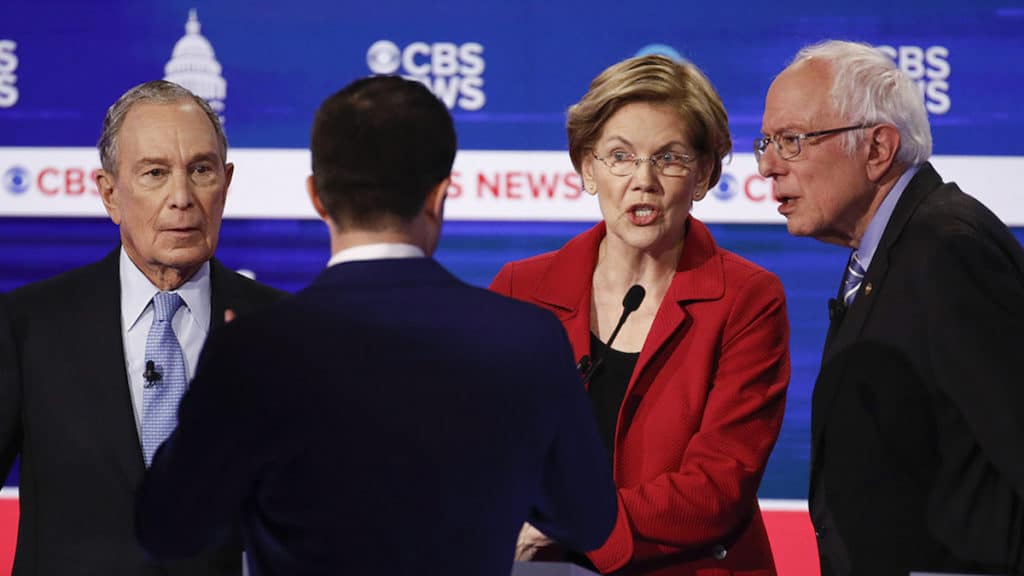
pixel 288 254
pixel 508 70
pixel 535 58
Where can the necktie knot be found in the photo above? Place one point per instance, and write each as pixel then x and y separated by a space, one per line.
pixel 854 278
pixel 165 305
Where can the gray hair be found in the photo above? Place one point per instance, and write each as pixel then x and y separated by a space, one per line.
pixel 868 87
pixel 154 92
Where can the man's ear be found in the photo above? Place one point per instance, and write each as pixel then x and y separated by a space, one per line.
pixel 105 183
pixel 883 143
pixel 229 173
pixel 433 206
pixel 315 199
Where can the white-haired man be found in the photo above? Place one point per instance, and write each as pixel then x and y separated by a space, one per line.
pixel 916 416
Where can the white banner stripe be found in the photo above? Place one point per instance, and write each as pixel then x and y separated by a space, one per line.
pixel 486 185
pixel 772 505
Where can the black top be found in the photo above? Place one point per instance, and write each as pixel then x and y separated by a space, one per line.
pixel 608 387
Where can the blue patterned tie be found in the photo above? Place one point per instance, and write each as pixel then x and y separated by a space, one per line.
pixel 854 278
pixel 164 388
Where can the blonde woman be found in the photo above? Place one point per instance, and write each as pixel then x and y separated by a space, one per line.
pixel 690 396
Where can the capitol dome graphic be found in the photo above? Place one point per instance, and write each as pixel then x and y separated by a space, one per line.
pixel 194 66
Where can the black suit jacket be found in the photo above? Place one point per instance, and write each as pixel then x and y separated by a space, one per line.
pixel 918 411
pixel 65 406
pixel 388 419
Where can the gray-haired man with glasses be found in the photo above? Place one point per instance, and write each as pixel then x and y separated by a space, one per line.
pixel 788 145
pixel 916 416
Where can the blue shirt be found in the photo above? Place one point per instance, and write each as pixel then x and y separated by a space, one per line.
pixel 873 234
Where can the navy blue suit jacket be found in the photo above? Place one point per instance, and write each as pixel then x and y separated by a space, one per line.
pixel 387 419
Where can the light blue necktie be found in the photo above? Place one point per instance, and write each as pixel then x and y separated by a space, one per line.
pixel 854 278
pixel 165 380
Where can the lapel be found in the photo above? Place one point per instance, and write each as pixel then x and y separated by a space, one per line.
pixel 836 315
pixel 102 365
pixel 104 362
pixel 699 276
pixel 225 293
pixel 843 332
pixel 567 287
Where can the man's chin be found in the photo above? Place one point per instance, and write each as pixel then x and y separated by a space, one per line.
pixel 794 228
pixel 186 257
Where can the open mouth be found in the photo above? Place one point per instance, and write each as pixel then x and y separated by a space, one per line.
pixel 786 204
pixel 643 214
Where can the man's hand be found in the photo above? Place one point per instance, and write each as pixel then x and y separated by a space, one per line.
pixel 532 543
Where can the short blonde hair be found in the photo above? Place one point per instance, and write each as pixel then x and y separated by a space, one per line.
pixel 660 80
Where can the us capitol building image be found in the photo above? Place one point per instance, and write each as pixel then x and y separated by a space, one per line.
pixel 194 66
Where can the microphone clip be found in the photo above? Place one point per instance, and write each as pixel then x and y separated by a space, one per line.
pixel 583 366
pixel 836 310
pixel 151 375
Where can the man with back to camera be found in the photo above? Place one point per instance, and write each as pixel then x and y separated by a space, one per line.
pixel 916 430
pixel 93 362
pixel 387 419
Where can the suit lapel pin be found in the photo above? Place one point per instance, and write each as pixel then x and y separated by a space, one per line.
pixel 867 289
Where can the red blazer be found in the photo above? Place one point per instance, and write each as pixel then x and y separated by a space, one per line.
pixel 702 409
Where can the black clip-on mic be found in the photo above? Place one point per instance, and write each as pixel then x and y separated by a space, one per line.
pixel 634 297
pixel 151 375
pixel 836 310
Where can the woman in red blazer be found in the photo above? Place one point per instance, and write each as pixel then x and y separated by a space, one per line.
pixel 690 396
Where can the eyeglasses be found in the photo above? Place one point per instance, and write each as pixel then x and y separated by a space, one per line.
pixel 788 145
pixel 621 163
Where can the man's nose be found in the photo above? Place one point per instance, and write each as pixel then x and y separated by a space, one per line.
pixel 769 164
pixel 182 193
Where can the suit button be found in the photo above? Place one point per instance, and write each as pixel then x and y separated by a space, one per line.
pixel 719 552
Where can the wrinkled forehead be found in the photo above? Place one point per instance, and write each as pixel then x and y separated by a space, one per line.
pixel 799 99
pixel 176 126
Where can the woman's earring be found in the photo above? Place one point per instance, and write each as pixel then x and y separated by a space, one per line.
pixel 591 188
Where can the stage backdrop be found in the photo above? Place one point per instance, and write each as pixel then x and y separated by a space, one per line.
pixel 508 71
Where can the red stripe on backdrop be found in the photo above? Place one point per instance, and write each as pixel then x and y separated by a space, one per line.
pixel 8 531
pixel 789 529
pixel 792 537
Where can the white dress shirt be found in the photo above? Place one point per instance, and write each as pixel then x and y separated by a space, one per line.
pixel 380 251
pixel 191 323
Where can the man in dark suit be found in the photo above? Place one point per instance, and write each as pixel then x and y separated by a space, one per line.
pixel 82 397
pixel 388 419
pixel 916 416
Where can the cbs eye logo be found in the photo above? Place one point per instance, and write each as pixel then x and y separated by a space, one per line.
pixel 453 72
pixel 726 188
pixel 17 180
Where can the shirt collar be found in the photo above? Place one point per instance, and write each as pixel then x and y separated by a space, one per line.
pixel 137 291
pixel 379 251
pixel 873 233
